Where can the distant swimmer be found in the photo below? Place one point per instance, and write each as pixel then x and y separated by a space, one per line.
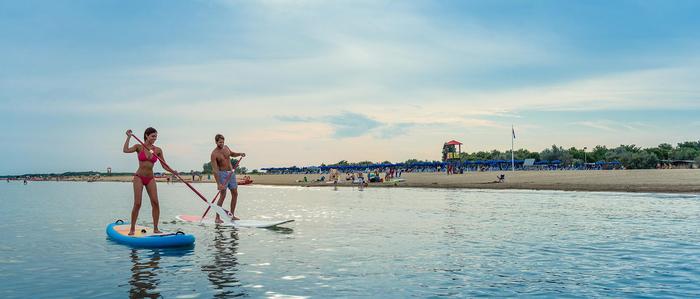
pixel 144 175
pixel 223 172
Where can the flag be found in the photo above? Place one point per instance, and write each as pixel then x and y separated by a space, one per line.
pixel 513 132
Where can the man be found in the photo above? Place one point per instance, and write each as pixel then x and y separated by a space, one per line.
pixel 222 169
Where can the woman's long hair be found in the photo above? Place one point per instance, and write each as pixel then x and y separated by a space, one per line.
pixel 149 131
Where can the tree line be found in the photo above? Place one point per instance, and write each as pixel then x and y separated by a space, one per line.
pixel 630 156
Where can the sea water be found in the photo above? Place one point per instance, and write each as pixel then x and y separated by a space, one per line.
pixel 380 242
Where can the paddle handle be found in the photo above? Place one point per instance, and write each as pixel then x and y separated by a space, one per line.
pixel 230 175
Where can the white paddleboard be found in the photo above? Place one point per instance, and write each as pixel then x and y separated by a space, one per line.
pixel 234 223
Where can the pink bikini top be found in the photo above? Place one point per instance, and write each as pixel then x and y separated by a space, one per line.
pixel 142 156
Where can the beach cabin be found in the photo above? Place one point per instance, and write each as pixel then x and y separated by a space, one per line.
pixel 449 152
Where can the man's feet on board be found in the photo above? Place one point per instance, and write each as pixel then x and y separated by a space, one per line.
pixel 156 231
pixel 131 232
pixel 218 220
pixel 235 218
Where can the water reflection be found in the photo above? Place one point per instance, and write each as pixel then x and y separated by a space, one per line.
pixel 145 268
pixel 224 267
pixel 453 214
pixel 144 279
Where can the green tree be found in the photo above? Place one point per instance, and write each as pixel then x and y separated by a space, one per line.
pixel 576 154
pixel 632 148
pixel 619 154
pixel 664 151
pixel 557 153
pixel 447 149
pixel 684 153
pixel 522 154
pixel 598 153
pixel 411 161
pixel 481 155
pixel 642 160
pixel 206 168
pixel 498 155
pixel 690 144
pixel 341 163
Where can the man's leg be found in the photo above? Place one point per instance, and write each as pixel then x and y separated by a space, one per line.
pixel 234 199
pixel 220 203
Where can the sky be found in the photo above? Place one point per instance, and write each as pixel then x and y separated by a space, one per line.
pixel 310 82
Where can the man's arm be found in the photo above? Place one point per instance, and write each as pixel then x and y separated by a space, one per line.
pixel 215 170
pixel 234 154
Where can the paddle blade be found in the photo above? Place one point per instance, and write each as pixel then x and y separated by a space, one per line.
pixel 219 210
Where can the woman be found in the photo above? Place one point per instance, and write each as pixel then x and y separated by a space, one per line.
pixel 144 175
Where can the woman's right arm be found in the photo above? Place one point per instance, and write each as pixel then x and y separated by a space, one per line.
pixel 128 149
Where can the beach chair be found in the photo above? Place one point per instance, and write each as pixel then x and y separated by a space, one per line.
pixel 501 178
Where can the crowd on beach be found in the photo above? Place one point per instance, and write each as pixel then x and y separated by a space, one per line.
pixel 442 167
pixel 374 176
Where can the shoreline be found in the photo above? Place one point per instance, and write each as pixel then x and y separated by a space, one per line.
pixel 637 181
pixel 646 180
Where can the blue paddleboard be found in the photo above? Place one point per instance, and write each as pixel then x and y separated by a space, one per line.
pixel 144 236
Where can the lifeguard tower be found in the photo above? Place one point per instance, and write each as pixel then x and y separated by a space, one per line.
pixel 451 150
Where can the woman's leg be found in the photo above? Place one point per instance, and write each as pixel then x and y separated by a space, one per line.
pixel 155 206
pixel 138 192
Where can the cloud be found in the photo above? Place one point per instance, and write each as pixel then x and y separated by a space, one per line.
pixel 600 125
pixel 388 126
pixel 613 126
pixel 292 118
pixel 350 124
pixel 394 130
pixel 310 76
pixel 345 125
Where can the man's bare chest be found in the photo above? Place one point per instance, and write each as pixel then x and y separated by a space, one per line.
pixel 221 156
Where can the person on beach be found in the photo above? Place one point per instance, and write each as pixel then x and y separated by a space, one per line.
pixel 144 175
pixel 222 168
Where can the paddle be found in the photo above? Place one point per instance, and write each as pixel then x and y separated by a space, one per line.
pixel 219 210
pixel 230 175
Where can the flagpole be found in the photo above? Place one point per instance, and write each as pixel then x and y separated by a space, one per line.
pixel 512 153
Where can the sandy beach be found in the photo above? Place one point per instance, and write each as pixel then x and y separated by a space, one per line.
pixel 652 180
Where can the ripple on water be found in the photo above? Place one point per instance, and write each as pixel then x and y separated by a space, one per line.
pixel 402 242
